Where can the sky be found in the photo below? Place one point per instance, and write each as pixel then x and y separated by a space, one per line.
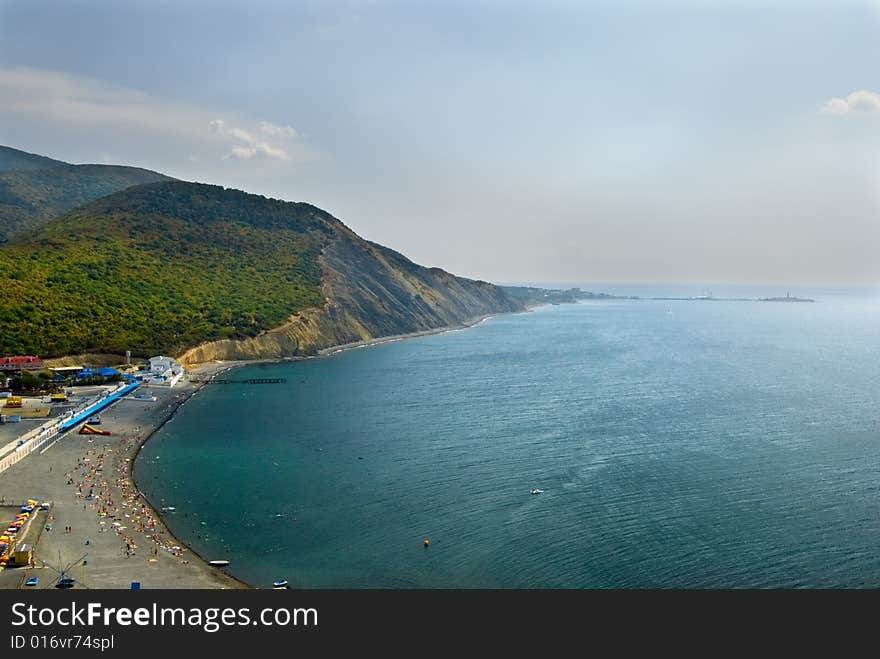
pixel 627 141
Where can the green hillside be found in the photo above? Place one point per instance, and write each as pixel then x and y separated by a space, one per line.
pixel 13 159
pixel 30 198
pixel 157 268
pixel 153 265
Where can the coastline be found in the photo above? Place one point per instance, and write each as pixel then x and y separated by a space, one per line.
pixel 476 320
pixel 209 370
pixel 98 520
pixel 91 486
pixel 213 369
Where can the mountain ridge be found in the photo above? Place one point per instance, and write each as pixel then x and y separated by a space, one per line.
pixel 205 272
pixel 17 160
pixel 30 198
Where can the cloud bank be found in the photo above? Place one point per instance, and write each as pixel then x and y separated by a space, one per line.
pixel 103 111
pixel 861 101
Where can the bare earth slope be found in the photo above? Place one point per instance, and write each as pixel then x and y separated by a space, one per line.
pixel 371 292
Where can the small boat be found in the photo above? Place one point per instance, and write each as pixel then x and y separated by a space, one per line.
pixel 218 563
pixel 535 490
pixel 169 509
pixel 280 584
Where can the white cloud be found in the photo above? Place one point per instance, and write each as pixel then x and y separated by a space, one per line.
pixel 70 103
pixel 258 150
pixel 270 151
pixel 242 135
pixel 861 101
pixel 241 153
pixel 250 145
pixel 282 132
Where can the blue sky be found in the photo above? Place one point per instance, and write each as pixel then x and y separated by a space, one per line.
pixel 605 141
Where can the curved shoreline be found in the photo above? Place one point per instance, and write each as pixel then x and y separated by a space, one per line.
pixel 224 367
pixel 152 506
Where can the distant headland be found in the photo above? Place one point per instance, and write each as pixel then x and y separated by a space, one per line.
pixel 710 298
pixel 788 298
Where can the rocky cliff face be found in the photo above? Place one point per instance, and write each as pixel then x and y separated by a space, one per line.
pixel 371 292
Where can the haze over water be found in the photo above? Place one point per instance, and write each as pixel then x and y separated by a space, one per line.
pixel 678 444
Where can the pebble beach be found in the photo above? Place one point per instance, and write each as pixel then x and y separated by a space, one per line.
pixel 98 523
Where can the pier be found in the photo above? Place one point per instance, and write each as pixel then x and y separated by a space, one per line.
pixel 246 381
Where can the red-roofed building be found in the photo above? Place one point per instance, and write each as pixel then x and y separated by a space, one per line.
pixel 21 363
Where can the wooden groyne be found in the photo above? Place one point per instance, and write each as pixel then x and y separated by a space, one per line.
pixel 247 381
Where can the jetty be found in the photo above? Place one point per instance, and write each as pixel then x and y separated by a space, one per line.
pixel 245 381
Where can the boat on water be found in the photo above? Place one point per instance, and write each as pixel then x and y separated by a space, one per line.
pixel 535 490
pixel 280 584
pixel 218 563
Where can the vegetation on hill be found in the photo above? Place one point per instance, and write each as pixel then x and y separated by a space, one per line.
pixel 163 266
pixel 158 268
pixel 31 198
pixel 13 159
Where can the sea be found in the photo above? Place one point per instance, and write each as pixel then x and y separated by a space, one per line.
pixel 676 444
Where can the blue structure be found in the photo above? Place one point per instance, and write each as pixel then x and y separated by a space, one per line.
pixel 85 372
pixel 97 405
pixel 100 372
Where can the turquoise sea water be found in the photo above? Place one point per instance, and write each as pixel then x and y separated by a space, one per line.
pixel 678 444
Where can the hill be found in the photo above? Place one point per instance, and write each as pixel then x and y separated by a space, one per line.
pixel 15 160
pixel 31 197
pixel 204 272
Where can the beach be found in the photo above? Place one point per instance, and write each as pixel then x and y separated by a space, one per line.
pixel 98 521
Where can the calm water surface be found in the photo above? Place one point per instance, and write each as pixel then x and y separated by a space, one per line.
pixel 678 444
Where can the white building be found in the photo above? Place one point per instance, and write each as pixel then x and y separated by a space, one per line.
pixel 161 363
pixel 164 371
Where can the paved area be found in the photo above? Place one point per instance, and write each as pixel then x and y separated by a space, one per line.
pixel 98 523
